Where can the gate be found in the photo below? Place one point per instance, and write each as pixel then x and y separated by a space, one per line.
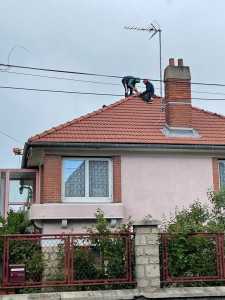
pixel 38 260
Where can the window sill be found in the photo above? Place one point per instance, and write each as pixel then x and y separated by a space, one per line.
pixel 75 211
pixel 86 200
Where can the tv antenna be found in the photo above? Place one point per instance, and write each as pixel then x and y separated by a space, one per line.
pixel 153 28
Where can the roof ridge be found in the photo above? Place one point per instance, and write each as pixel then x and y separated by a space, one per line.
pixel 81 118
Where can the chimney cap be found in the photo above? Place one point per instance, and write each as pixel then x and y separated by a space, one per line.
pixel 176 72
pixel 171 62
pixel 180 62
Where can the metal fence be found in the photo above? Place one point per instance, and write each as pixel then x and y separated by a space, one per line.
pixel 66 260
pixel 194 257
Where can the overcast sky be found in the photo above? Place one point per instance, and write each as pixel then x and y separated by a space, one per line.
pixel 88 36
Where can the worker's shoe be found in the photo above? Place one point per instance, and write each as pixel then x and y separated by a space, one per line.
pixel 126 95
pixel 150 100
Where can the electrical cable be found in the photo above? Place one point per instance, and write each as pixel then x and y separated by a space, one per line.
pixel 96 94
pixel 210 93
pixel 101 75
pixel 57 91
pixel 61 78
pixel 97 82
pixel 70 79
pixel 89 81
pixel 60 71
pixel 10 137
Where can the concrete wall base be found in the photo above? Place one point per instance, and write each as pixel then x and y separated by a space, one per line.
pixel 187 293
pixel 90 295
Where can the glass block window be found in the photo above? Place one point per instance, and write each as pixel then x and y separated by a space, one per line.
pixel 98 178
pixel 88 179
pixel 222 174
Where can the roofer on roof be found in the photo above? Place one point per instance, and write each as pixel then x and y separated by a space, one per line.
pixel 129 84
pixel 149 93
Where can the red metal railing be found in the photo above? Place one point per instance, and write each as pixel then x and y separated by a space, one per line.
pixel 194 257
pixel 67 260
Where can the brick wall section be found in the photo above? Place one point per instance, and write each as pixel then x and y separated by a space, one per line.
pixel 178 115
pixel 216 180
pixel 52 179
pixel 41 183
pixel 116 179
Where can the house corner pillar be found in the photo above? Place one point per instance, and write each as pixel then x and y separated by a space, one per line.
pixel 147 268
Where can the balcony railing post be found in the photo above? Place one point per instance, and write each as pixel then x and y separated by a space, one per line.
pixel 147 271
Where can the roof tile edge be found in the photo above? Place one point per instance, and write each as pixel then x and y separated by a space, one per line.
pixel 208 112
pixel 36 137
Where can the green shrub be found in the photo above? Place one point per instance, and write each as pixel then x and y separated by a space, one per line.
pixel 190 255
pixel 96 258
pixel 26 252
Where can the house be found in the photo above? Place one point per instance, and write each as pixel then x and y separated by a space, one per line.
pixel 129 159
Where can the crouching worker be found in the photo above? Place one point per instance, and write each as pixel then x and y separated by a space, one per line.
pixel 149 93
pixel 129 84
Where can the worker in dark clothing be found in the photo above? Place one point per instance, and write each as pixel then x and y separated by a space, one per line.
pixel 129 84
pixel 149 93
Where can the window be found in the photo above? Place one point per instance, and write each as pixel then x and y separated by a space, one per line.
pixel 20 193
pixel 88 179
pixel 19 189
pixel 222 174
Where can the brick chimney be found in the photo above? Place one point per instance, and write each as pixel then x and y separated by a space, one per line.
pixel 178 112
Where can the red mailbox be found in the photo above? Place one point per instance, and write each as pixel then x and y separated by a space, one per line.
pixel 17 273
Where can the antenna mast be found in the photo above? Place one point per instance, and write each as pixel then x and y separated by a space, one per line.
pixel 153 28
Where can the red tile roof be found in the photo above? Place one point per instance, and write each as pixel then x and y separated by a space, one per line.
pixel 132 120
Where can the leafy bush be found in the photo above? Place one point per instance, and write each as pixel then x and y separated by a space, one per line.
pixel 112 250
pixel 98 257
pixel 26 252
pixel 85 265
pixel 194 255
pixel 16 223
pixel 30 254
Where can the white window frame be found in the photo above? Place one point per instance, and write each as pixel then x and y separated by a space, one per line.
pixel 87 198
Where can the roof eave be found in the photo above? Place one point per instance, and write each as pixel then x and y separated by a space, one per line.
pixel 29 145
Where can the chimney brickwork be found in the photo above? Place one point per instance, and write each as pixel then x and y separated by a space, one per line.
pixel 178 111
pixel 178 103
pixel 178 95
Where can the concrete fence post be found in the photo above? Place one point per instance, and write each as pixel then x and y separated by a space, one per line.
pixel 147 254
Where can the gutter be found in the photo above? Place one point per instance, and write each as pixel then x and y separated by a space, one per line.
pixel 29 145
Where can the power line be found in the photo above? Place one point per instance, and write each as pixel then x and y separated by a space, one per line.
pixel 60 71
pixel 10 137
pixel 101 75
pixel 61 78
pixel 66 72
pixel 96 94
pixel 210 99
pixel 89 81
pixel 211 93
pixel 57 91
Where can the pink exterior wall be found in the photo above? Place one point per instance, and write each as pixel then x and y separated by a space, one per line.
pixel 73 226
pixel 156 185
pixel 150 185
